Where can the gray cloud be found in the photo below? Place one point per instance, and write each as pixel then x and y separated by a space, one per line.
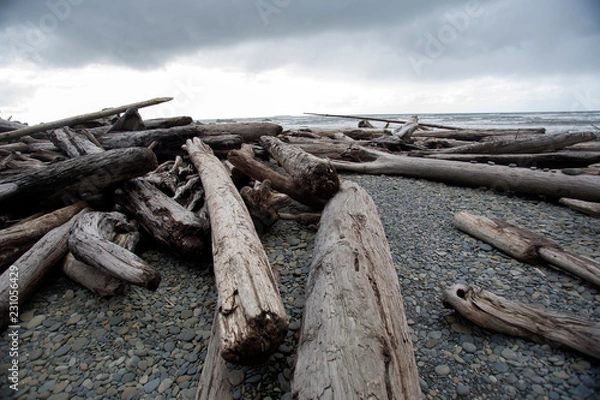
pixel 374 40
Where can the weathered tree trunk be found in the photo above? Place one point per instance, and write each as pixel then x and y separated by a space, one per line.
pixel 531 144
pixel 475 175
pixel 163 218
pixel 79 177
pixel 92 278
pixel 558 159
pixel 243 161
pixel 176 136
pixel 252 319
pixel 78 119
pixel 477 134
pixel 214 381
pixel 315 175
pixel 156 123
pixel 25 274
pixel 585 207
pixel 91 242
pixel 354 342
pixel 517 319
pixel 527 246
pixel 17 239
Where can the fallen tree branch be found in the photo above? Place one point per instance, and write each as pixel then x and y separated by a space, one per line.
pixel 518 319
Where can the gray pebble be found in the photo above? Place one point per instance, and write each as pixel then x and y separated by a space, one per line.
pixel 463 390
pixel 442 370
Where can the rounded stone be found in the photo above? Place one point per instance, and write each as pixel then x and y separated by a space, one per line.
pixel 442 370
pixel 463 390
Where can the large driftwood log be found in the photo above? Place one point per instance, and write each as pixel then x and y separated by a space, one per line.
pixel 78 119
pixel 17 239
pixel 497 177
pixel 80 177
pixel 557 159
pixel 315 175
pixel 243 160
pixel 176 136
pixel 527 246
pixel 354 342
pixel 163 218
pixel 528 144
pixel 214 380
pixel 25 274
pixel 477 134
pixel 517 319
pixel 252 319
pixel 585 207
pixel 91 241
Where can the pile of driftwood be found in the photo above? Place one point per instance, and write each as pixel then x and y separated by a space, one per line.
pixel 73 193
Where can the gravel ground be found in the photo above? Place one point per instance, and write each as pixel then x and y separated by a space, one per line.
pixel 151 345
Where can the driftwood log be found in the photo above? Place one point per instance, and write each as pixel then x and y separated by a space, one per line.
pixel 214 383
pixel 313 174
pixel 477 134
pixel 91 241
pixel 497 177
pixel 27 272
pixel 354 340
pixel 163 218
pixel 527 144
pixel 527 246
pixel 585 207
pixel 170 140
pixel 244 161
pixel 556 159
pixel 251 316
pixel 17 239
pixel 79 178
pixel 517 319
pixel 78 119
pixel 94 279
pixel 263 204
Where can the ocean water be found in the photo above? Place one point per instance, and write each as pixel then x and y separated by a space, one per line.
pixel 554 122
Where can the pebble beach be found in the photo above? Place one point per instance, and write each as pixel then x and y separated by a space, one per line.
pixel 151 345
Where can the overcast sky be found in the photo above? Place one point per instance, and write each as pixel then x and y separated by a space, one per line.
pixel 254 58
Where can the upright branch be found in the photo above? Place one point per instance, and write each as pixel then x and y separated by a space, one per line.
pixel 251 317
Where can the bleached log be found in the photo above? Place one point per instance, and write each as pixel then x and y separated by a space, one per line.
pixel 313 174
pixel 73 144
pixel 527 246
pixel 243 160
pixel 17 239
pixel 92 278
pixel 477 134
pixel 585 207
pixel 79 177
pixel 25 275
pixel 252 319
pixel 214 380
pixel 91 241
pixel 527 144
pixel 354 340
pixel 522 320
pixel 497 177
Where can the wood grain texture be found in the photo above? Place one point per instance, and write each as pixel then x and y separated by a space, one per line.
pixel 354 341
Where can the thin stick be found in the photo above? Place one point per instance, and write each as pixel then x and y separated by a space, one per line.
pixel 79 119
pixel 391 121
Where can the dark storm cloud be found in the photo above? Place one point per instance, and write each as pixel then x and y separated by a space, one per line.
pixel 374 39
